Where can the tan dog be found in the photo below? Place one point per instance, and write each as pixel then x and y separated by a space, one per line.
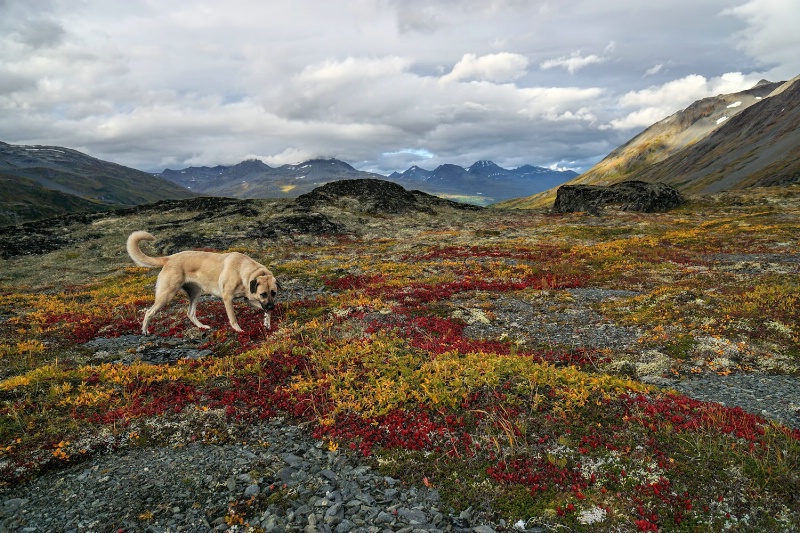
pixel 227 275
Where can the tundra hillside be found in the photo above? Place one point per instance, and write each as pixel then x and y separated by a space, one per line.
pixel 521 363
pixel 725 142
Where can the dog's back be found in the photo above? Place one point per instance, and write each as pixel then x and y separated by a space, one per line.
pixel 138 256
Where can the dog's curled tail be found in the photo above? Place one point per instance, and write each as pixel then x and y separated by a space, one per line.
pixel 138 256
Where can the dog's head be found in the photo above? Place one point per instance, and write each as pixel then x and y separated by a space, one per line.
pixel 263 291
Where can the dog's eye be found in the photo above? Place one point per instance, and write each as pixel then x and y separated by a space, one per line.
pixel 263 295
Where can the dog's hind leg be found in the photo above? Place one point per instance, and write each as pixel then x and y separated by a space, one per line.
pixel 149 314
pixel 164 295
pixel 193 291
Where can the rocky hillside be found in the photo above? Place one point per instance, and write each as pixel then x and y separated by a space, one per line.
pixel 374 197
pixel 72 181
pixel 720 143
pixel 758 147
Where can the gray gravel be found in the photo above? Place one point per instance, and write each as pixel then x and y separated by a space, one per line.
pixel 127 349
pixel 277 478
pixel 772 396
pixel 280 479
pixel 548 321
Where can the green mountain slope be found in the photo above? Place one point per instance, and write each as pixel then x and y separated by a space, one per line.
pixel 24 200
pixel 78 174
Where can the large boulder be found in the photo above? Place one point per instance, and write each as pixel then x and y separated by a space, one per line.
pixel 627 195
pixel 376 197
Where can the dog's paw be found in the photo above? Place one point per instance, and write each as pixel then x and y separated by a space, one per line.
pixel 203 326
pixel 237 328
pixel 267 320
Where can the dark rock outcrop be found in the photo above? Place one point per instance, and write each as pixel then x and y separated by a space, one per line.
pixel 43 236
pixel 376 197
pixel 208 207
pixel 628 196
pixel 293 224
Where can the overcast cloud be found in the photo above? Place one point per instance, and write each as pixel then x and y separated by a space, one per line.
pixel 381 84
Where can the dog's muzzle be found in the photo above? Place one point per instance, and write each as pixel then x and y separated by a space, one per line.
pixel 268 307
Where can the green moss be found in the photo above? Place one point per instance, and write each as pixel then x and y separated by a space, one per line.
pixel 680 346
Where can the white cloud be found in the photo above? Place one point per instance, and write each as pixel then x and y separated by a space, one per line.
pixel 770 34
pixel 290 156
pixel 501 67
pixel 658 102
pixel 655 69
pixel 561 103
pixel 583 114
pixel 573 63
pixel 641 118
pixel 332 72
pixel 686 90
pixel 431 16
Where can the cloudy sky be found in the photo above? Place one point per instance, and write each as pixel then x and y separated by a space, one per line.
pixel 381 84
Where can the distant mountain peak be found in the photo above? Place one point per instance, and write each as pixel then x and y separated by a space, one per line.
pixel 483 165
pixel 328 162
pixel 252 163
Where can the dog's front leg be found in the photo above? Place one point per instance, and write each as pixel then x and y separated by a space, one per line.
pixel 231 315
pixel 194 292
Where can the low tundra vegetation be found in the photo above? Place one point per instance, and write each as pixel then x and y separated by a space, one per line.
pixel 370 350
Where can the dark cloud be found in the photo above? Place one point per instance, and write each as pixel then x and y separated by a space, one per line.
pixel 30 24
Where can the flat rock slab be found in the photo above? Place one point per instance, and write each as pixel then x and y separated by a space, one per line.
pixel 127 349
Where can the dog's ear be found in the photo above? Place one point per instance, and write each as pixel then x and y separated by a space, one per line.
pixel 253 285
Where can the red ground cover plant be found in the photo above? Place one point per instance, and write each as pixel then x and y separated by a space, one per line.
pixel 528 432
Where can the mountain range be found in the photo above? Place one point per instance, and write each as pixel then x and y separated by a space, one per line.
pixel 730 141
pixel 38 182
pixel 483 182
